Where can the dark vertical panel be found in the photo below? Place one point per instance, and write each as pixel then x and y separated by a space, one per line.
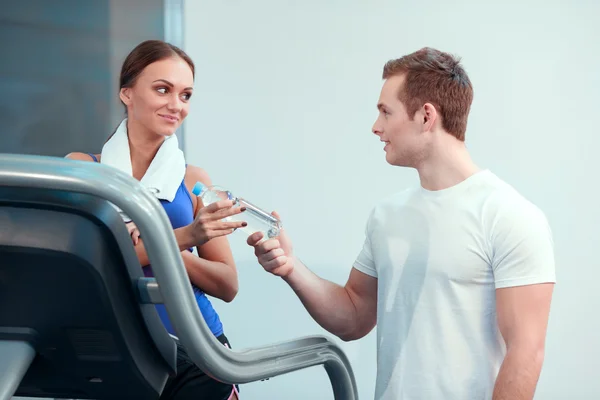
pixel 59 70
pixel 54 75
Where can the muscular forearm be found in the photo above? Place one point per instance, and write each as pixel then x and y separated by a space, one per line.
pixel 518 374
pixel 215 278
pixel 328 303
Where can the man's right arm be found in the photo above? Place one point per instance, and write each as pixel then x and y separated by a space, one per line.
pixel 349 312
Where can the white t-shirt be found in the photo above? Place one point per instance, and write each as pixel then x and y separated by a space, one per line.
pixel 438 257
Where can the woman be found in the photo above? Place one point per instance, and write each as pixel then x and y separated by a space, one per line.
pixel 156 85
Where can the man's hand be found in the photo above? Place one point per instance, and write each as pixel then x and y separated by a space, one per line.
pixel 275 255
pixel 349 312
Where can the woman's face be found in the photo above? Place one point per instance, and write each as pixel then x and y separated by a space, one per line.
pixel 159 99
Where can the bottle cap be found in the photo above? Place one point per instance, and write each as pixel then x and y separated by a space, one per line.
pixel 198 188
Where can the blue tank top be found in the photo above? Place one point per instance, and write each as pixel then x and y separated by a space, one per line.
pixel 181 213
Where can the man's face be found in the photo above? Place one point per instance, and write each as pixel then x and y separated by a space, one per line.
pixel 400 132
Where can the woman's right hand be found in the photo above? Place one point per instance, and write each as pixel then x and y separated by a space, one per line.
pixel 208 223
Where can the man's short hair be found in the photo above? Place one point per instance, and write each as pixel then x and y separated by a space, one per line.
pixel 432 76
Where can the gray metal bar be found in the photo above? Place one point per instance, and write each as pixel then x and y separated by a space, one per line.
pixel 149 291
pixel 15 359
pixel 145 210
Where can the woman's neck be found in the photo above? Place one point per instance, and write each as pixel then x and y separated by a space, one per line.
pixel 143 146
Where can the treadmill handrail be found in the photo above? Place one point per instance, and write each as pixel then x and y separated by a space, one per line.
pixel 125 192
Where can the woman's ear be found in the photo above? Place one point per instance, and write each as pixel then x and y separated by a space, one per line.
pixel 125 96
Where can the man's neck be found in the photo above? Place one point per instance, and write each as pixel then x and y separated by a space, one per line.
pixel 447 164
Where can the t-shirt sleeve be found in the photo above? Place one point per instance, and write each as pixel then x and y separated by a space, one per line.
pixel 523 248
pixel 364 262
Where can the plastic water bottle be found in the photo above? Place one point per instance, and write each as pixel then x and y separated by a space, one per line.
pixel 257 219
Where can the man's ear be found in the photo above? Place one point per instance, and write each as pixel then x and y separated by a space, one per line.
pixel 429 116
pixel 125 96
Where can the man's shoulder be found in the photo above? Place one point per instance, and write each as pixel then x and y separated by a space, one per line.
pixel 492 191
pixel 503 196
pixel 505 206
pixel 520 238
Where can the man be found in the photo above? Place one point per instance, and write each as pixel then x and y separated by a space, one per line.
pixel 457 273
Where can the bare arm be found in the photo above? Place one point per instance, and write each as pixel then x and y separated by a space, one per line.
pixel 79 156
pixel 214 271
pixel 523 313
pixel 524 272
pixel 182 235
pixel 349 312
pixel 214 274
pixel 215 278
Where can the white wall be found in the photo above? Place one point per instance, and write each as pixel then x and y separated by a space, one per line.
pixel 285 99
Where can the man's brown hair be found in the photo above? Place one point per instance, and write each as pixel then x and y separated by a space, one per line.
pixel 432 76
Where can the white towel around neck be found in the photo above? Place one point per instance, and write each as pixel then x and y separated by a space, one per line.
pixel 166 171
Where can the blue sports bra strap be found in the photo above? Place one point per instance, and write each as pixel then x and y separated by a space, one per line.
pixel 93 157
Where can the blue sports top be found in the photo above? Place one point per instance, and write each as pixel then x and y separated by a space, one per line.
pixel 181 213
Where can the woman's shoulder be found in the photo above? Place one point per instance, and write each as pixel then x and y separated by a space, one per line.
pixel 83 156
pixel 194 174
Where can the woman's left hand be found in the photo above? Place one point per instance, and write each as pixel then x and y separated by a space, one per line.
pixel 133 232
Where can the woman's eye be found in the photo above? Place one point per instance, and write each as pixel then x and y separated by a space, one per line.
pixel 162 90
pixel 187 96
